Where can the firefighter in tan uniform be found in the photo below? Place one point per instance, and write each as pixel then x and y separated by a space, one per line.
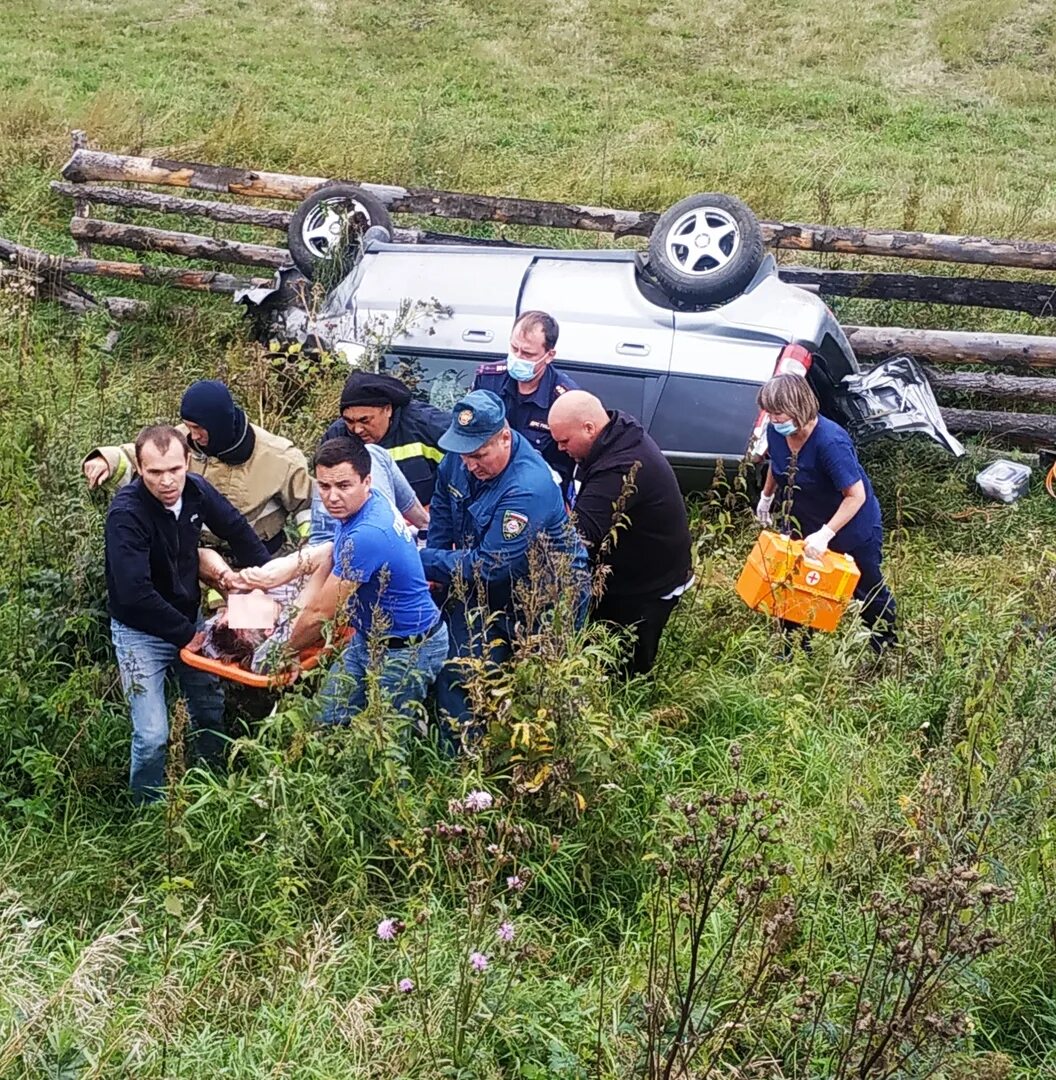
pixel 264 476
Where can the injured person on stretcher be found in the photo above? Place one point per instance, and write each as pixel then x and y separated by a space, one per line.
pixel 253 630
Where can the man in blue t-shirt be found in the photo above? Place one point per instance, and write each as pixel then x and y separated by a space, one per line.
pixel 375 573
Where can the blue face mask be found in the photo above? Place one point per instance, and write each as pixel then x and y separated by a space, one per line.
pixel 787 427
pixel 521 370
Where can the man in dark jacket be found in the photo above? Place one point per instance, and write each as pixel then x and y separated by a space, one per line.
pixel 380 409
pixel 631 516
pixel 529 384
pixel 152 533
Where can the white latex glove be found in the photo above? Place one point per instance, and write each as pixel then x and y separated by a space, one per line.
pixel 762 510
pixel 815 545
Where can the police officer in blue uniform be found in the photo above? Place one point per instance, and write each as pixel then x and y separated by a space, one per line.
pixel 494 496
pixel 528 385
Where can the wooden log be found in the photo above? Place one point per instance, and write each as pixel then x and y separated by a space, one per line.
pixel 993 385
pixel 1032 297
pixel 80 302
pixel 895 244
pixel 240 214
pixel 81 208
pixel 190 245
pixel 136 199
pixel 213 281
pixel 1014 351
pixel 95 165
pixel 1019 427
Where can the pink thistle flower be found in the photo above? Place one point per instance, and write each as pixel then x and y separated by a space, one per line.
pixel 505 932
pixel 388 929
pixel 478 961
pixel 476 801
pixel 405 986
pixel 515 883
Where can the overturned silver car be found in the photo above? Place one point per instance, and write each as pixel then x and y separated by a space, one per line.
pixel 681 336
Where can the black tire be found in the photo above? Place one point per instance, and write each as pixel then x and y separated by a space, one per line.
pixel 313 239
pixel 716 270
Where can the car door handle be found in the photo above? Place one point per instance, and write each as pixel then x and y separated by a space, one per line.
pixel 477 335
pixel 632 348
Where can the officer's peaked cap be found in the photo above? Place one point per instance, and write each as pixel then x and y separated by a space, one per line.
pixel 474 419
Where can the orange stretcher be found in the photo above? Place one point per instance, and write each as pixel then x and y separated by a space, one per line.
pixel 307 660
pixel 777 579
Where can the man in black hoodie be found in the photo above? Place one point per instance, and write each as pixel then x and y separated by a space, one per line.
pixel 631 516
pixel 152 534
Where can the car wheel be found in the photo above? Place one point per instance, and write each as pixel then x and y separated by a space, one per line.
pixel 705 249
pixel 321 226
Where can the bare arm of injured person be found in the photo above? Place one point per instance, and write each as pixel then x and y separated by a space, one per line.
pixel 214 571
pixel 323 596
pixel 298 564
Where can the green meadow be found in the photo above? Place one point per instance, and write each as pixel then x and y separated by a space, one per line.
pixel 746 867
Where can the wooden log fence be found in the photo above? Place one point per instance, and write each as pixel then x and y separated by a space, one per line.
pixel 1025 428
pixel 1034 298
pixel 189 245
pixel 1030 297
pixel 87 166
pixel 994 385
pixel 61 266
pixel 1015 351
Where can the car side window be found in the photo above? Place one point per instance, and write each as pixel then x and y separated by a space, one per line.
pixel 435 378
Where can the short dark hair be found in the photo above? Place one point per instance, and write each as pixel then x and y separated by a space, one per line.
pixel 350 448
pixel 529 320
pixel 162 436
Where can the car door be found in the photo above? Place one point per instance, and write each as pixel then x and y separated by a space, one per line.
pixel 612 341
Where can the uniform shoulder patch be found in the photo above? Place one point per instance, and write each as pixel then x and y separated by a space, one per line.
pixel 559 389
pixel 513 524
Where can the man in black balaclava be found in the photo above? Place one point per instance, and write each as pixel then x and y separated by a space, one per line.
pixel 264 476
pixel 216 426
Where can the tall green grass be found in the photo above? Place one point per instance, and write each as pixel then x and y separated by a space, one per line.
pixel 233 933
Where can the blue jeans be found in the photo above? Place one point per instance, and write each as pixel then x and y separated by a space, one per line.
pixel 406 675
pixel 144 661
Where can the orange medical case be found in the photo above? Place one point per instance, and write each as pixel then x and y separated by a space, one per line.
pixel 778 580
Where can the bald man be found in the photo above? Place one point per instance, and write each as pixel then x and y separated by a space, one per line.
pixel 648 557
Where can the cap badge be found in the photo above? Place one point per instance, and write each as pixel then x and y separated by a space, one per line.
pixel 465 417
